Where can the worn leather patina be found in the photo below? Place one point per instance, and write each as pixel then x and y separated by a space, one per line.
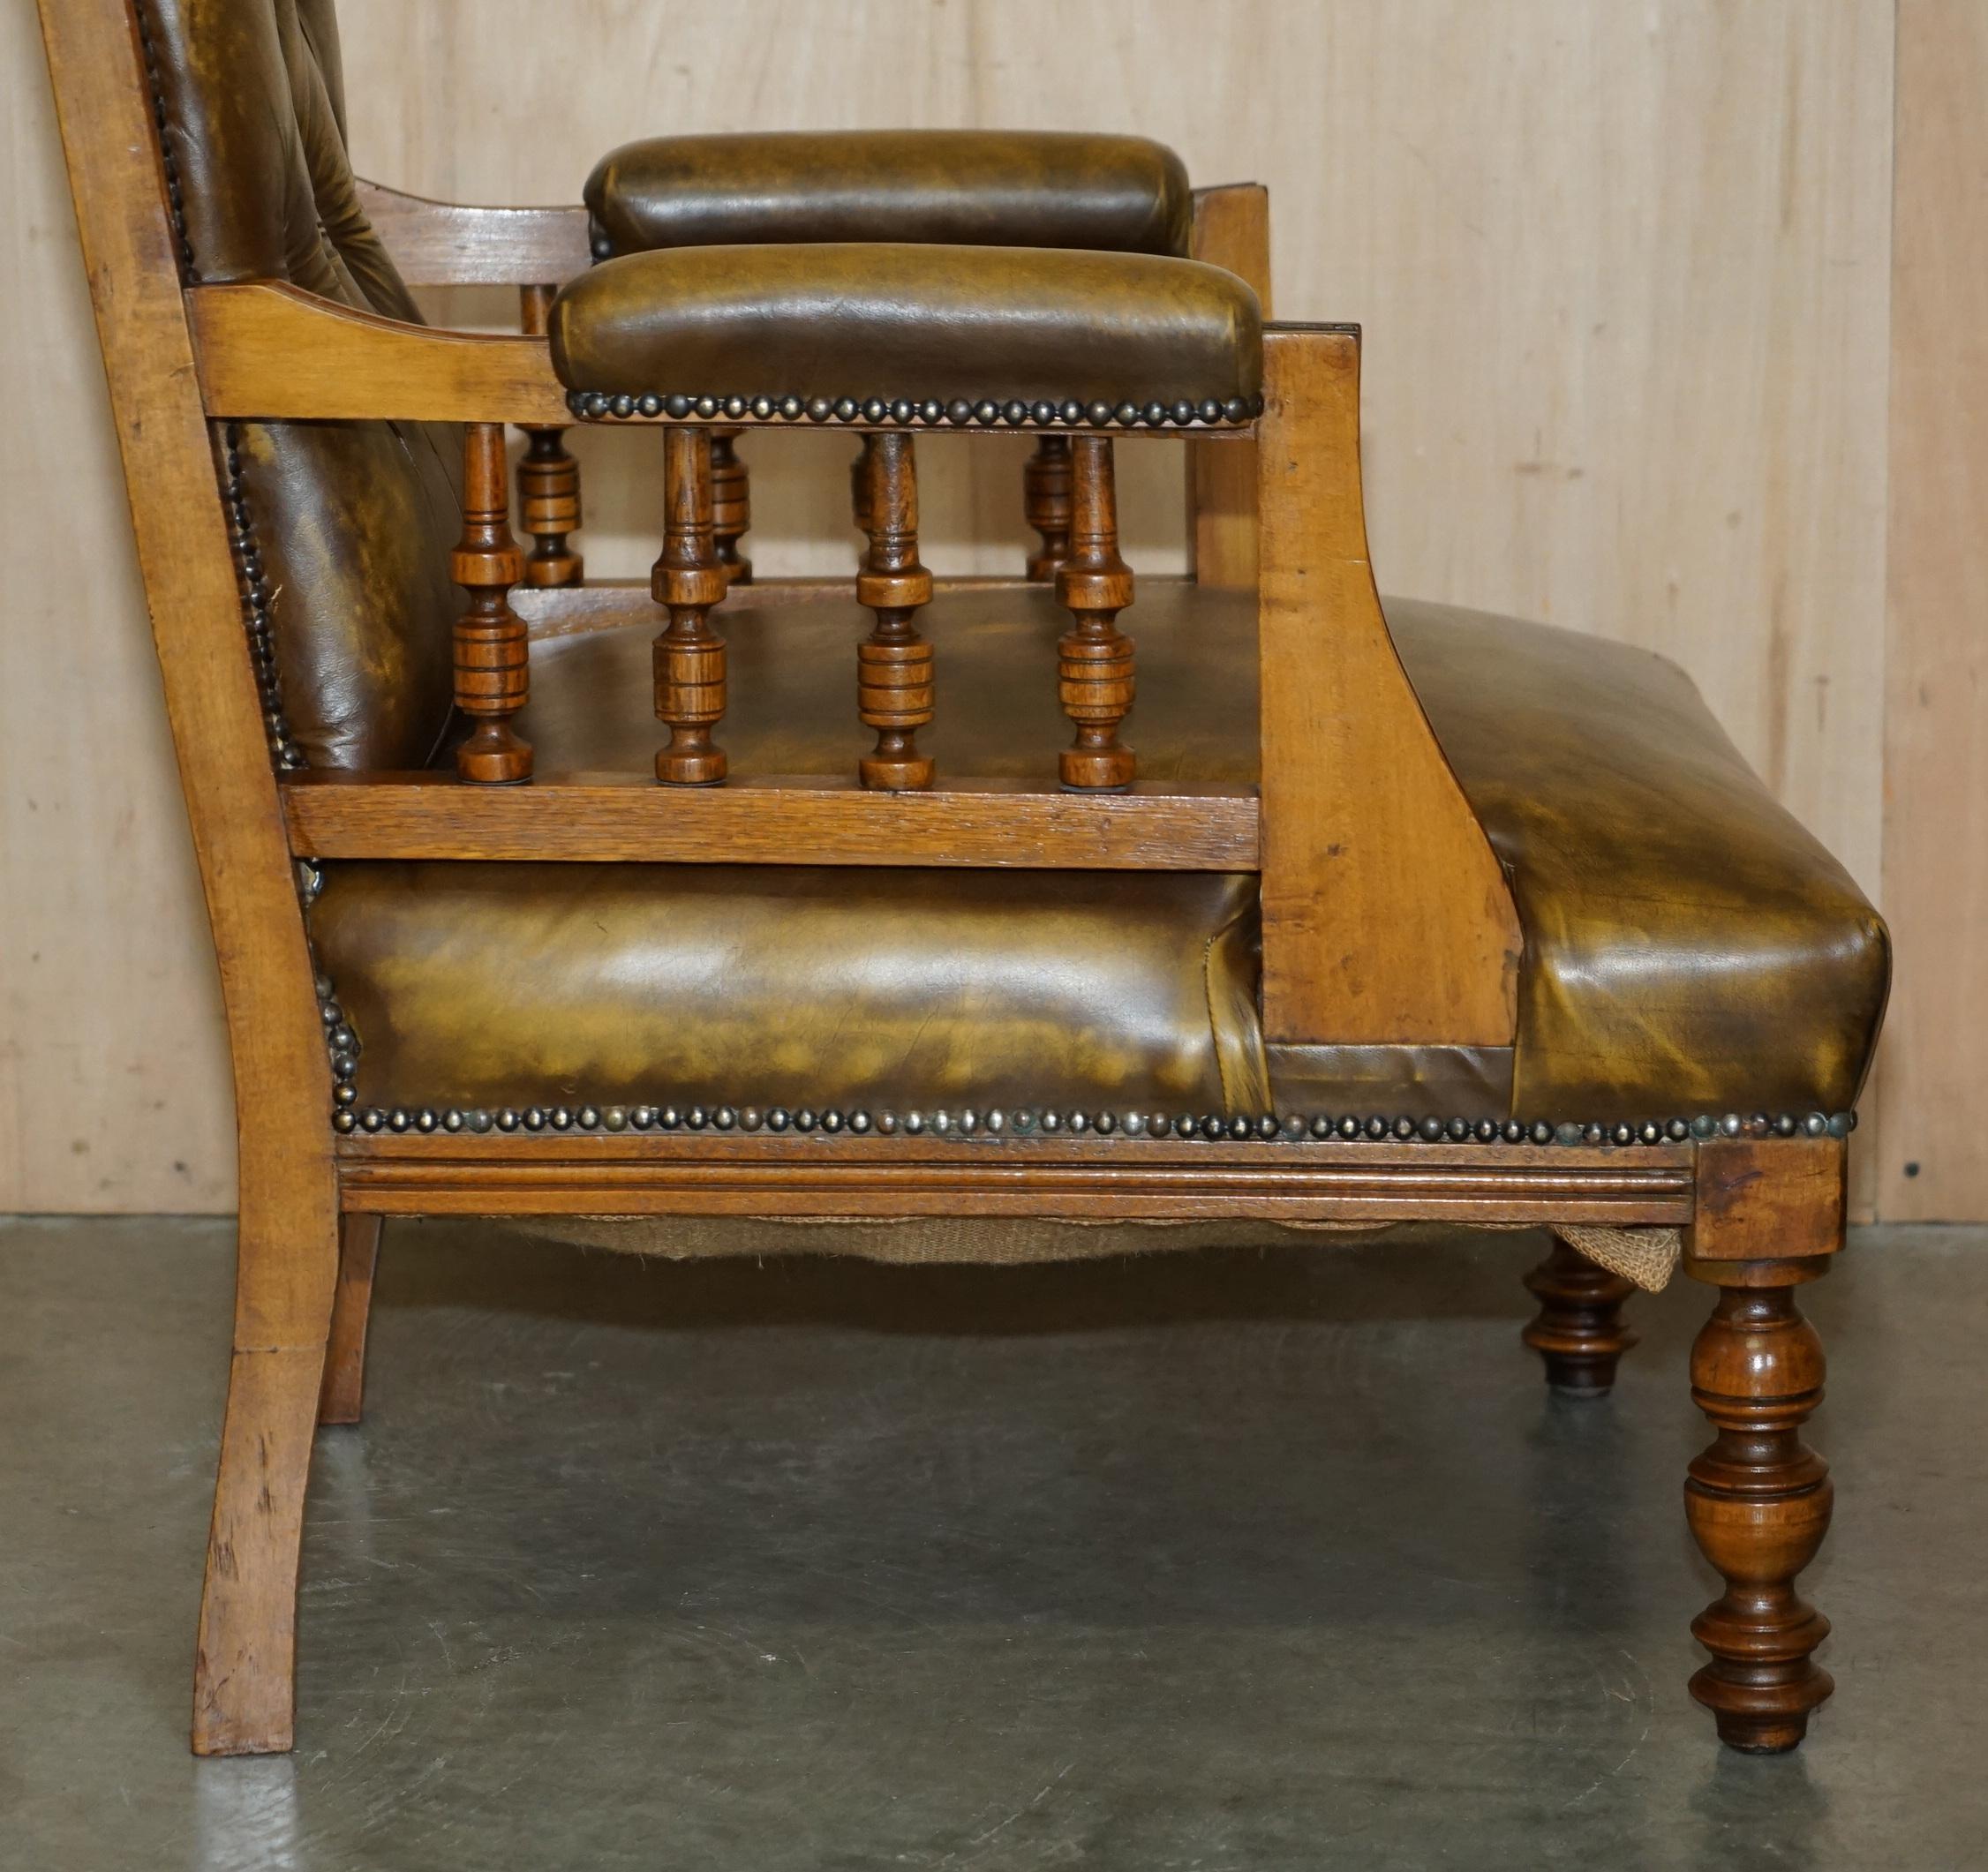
pixel 960 187
pixel 350 523
pixel 791 985
pixel 1369 1081
pixel 921 322
pixel 1689 946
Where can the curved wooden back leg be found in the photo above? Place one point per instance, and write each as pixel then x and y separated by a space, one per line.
pixel 1046 501
pixel 287 1236
pixel 548 478
pixel 1095 667
pixel 492 677
pixel 731 506
pixel 1386 916
pixel 689 655
pixel 893 664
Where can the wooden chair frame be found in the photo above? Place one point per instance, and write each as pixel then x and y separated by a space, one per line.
pixel 1364 845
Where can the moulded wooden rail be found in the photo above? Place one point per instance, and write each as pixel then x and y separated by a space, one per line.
pixel 1069 1178
pixel 626 817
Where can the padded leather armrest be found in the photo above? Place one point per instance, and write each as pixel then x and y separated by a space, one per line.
pixel 954 187
pixel 1015 329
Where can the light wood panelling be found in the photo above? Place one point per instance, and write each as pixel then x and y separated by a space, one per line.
pixel 1624 275
pixel 1931 1164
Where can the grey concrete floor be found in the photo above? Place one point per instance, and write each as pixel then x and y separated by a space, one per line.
pixel 1252 1562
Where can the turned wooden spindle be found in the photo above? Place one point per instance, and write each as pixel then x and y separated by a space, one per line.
pixel 731 506
pixel 1759 1501
pixel 548 478
pixel 690 654
pixel 893 664
pixel 491 672
pixel 1578 1331
pixel 1046 501
pixel 1094 670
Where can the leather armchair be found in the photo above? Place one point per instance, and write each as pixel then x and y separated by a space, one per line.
pixel 1275 907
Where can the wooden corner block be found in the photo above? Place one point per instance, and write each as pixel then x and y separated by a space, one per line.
pixel 1768 1198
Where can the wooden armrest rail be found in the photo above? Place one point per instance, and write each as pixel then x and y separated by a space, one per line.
pixel 614 817
pixel 268 350
pixel 450 243
pixel 271 351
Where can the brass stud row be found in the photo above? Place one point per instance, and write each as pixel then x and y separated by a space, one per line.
pixel 997 1122
pixel 959 413
pixel 284 755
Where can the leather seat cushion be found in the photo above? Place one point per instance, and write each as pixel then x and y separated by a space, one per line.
pixel 1689 946
pixel 801 985
pixel 906 322
pixel 960 187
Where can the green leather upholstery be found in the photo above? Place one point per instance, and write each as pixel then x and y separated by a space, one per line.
pixel 1003 188
pixel 794 985
pixel 343 528
pixel 1689 946
pixel 918 322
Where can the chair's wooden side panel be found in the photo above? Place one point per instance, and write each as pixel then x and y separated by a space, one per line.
pixel 1385 918
pixel 1231 229
pixel 282 1076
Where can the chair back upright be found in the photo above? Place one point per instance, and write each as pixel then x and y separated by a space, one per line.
pixel 342 531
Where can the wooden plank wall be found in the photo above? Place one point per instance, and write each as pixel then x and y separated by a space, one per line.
pixel 1934 1086
pixel 113 1091
pixel 1626 276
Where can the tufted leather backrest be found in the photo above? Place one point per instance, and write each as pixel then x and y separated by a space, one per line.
pixel 344 529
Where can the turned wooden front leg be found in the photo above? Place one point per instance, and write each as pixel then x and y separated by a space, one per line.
pixel 548 478
pixel 1046 502
pixel 893 664
pixel 731 506
pixel 1579 1330
pixel 1759 1501
pixel 490 672
pixel 689 655
pixel 1094 666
